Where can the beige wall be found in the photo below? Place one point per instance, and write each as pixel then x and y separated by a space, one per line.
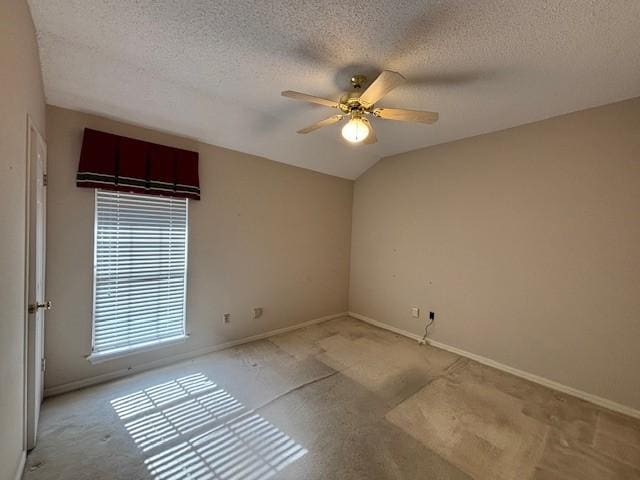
pixel 264 234
pixel 525 242
pixel 22 94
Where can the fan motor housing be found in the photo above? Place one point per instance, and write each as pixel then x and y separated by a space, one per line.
pixel 351 101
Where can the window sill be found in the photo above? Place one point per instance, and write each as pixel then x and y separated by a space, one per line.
pixel 101 357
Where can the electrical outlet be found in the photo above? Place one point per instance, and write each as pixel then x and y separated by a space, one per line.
pixel 415 312
pixel 226 317
pixel 432 315
pixel 257 312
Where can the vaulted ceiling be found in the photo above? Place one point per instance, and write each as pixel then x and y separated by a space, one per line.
pixel 214 70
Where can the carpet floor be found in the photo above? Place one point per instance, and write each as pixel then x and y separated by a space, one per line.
pixel 338 400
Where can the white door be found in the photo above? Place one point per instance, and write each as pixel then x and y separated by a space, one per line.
pixel 37 305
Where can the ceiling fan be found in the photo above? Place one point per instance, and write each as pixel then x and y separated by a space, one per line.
pixel 359 106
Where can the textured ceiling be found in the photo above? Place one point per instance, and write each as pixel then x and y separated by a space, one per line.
pixel 213 70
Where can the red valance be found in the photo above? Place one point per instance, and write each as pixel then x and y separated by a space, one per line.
pixel 119 163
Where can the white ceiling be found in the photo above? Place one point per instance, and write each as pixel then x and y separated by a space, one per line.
pixel 213 70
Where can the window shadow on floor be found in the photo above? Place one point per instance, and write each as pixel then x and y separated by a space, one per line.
pixel 191 428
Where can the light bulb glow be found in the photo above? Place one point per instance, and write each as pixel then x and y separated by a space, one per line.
pixel 355 131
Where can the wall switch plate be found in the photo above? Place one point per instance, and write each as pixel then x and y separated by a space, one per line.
pixel 415 312
pixel 226 317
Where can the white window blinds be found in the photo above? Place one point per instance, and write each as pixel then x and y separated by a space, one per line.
pixel 140 270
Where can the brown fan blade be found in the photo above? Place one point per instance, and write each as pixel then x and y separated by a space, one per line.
pixel 382 85
pixel 322 123
pixel 309 98
pixel 406 115
pixel 371 138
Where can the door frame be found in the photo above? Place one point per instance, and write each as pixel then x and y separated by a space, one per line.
pixel 27 265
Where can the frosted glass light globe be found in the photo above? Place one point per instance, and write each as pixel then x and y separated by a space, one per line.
pixel 355 131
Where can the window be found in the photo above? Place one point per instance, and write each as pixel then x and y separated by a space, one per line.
pixel 139 272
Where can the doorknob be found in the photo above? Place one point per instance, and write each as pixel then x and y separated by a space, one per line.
pixel 34 307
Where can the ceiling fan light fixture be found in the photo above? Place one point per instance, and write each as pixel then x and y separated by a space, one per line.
pixel 357 107
pixel 356 130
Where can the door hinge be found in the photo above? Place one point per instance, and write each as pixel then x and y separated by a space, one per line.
pixel 43 364
pixel 45 179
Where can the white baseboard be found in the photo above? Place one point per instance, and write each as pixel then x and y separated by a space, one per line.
pixel 21 462
pixel 86 382
pixel 600 401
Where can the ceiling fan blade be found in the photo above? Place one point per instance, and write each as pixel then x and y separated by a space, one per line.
pixel 406 115
pixel 371 138
pixel 309 98
pixel 382 85
pixel 322 123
